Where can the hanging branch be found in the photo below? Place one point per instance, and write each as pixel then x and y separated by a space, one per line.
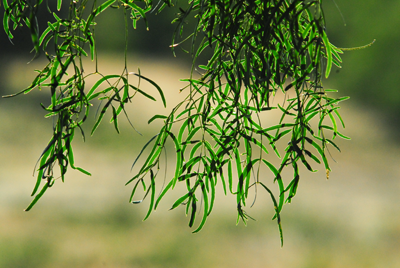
pixel 259 50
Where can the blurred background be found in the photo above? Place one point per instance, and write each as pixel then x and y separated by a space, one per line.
pixel 350 220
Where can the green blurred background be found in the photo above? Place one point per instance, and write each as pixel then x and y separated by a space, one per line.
pixel 350 220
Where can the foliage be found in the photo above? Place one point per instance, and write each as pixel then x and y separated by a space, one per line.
pixel 259 49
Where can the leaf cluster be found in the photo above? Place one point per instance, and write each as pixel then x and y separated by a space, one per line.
pixel 65 43
pixel 260 48
pixel 259 51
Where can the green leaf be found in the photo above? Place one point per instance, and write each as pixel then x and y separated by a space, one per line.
pixel 38 196
pixel 83 171
pixel 157 116
pixel 195 148
pixel 98 121
pixel 205 213
pixel 59 2
pixel 311 155
pixel 178 158
pixel 280 126
pixel 138 9
pixel 144 147
pixel 98 83
pixel 115 119
pixel 280 183
pixel 133 193
pixel 343 136
pixel 180 200
pixel 276 210
pixel 164 191
pixel 143 93
pixel 155 85
pixel 6 21
pixel 320 151
pixel 103 7
pixel 153 194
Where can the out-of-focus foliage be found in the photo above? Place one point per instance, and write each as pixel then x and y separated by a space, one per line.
pixel 370 75
pixel 259 50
